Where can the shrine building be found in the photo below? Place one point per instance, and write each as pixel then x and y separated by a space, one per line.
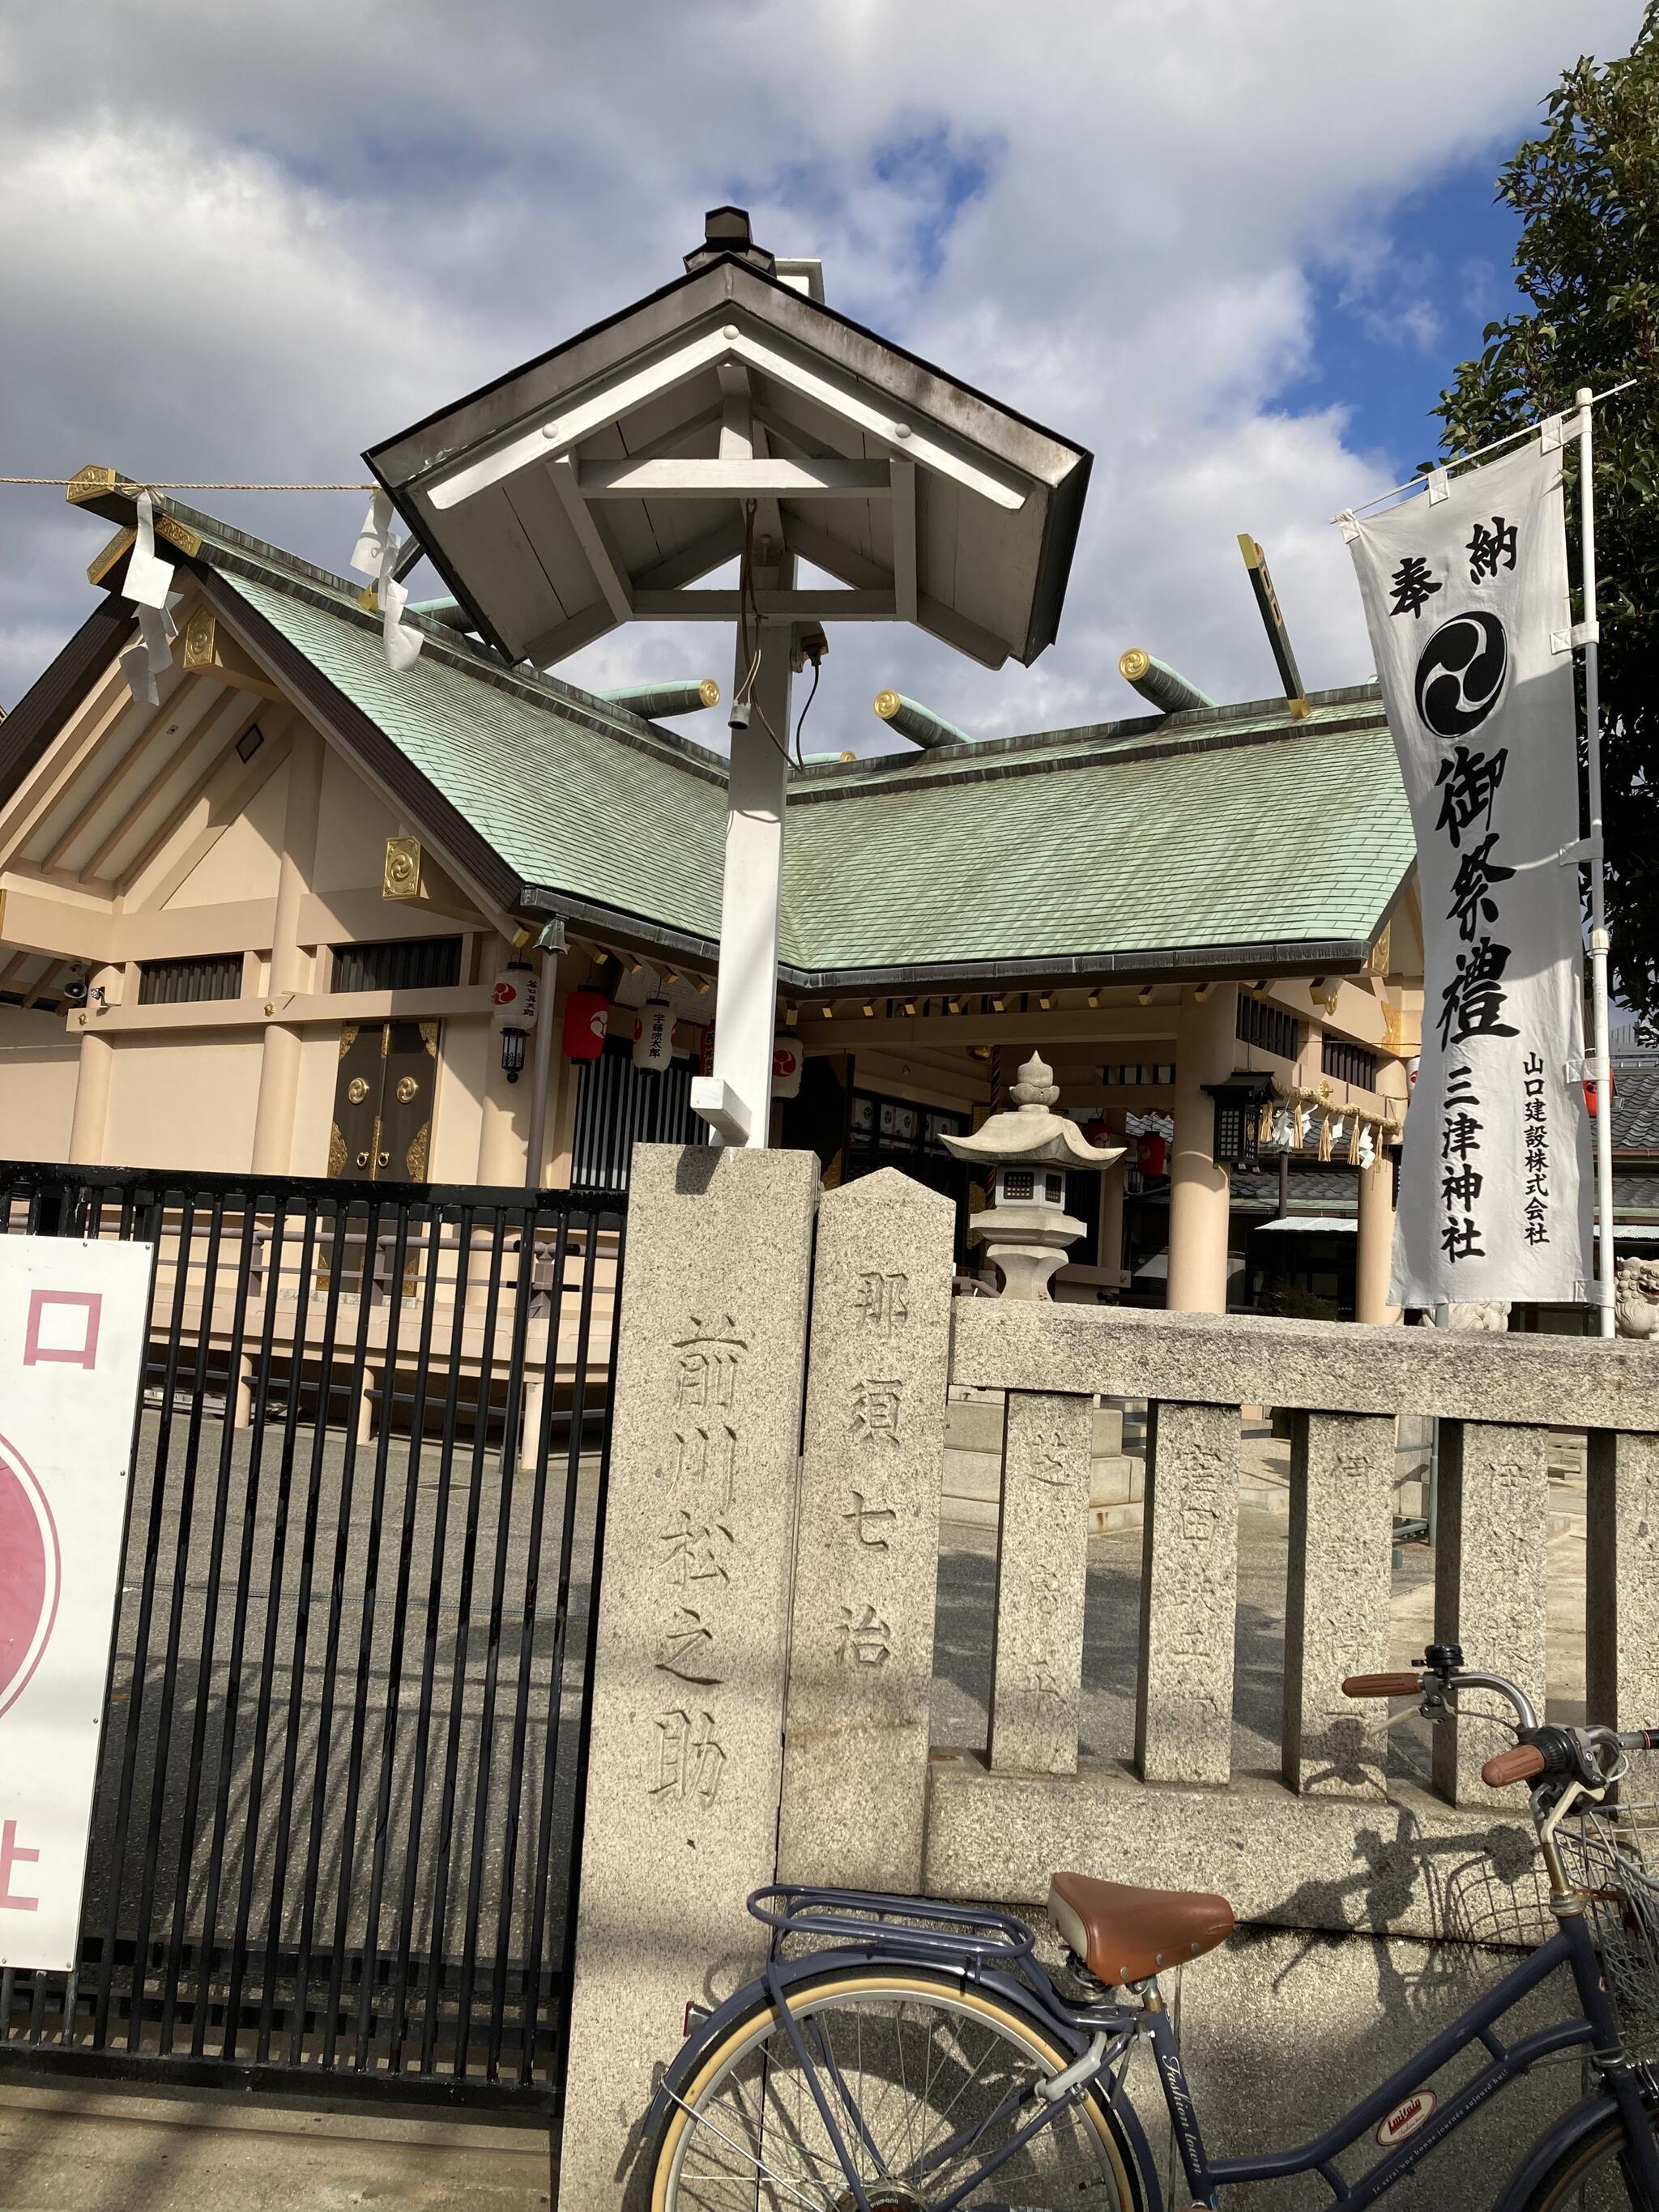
pixel 265 926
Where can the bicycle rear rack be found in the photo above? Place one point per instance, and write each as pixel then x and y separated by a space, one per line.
pixel 918 1927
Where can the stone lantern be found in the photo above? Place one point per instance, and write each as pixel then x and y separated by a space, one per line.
pixel 1026 1229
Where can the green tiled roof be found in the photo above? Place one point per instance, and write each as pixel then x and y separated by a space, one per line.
pixel 576 809
pixel 1107 849
pixel 1152 841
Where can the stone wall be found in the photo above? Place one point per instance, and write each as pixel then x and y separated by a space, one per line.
pixel 1370 1907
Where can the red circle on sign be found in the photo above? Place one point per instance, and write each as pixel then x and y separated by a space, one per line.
pixel 505 993
pixel 30 1574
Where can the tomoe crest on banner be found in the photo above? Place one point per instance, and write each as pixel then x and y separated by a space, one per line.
pixel 1465 600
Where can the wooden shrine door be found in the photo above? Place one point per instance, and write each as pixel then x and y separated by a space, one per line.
pixel 383 1097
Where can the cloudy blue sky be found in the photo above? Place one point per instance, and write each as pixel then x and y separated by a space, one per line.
pixel 1236 250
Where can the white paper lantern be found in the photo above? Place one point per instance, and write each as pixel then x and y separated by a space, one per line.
pixel 512 998
pixel 786 1071
pixel 653 1034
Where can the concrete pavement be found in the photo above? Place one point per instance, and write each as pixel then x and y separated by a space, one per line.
pixel 84 2147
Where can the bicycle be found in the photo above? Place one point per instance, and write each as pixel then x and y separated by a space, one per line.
pixel 928 2061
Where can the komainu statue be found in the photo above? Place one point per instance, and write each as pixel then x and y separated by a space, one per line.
pixel 1636 1297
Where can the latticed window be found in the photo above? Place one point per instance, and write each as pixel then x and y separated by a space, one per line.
pixel 1269 1026
pixel 181 982
pixel 405 963
pixel 1350 1063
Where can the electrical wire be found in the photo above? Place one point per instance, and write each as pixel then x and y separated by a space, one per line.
pixel 742 693
pixel 817 671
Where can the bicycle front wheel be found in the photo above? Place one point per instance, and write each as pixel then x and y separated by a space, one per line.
pixel 1593 2177
pixel 926 2080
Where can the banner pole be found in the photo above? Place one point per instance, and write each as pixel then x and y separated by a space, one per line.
pixel 1599 938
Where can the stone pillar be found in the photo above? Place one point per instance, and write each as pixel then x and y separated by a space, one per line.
pixel 1199 1189
pixel 1111 1206
pixel 688 1699
pixel 866 1552
pixel 1188 1594
pixel 93 1076
pixel 279 1059
pixel 1621 1578
pixel 1036 1679
pixel 1374 1242
pixel 1336 1603
pixel 1489 1583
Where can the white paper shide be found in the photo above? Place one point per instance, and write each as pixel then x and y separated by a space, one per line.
pixel 72 1330
pixel 1467 602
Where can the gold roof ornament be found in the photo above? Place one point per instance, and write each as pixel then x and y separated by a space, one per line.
pixel 402 876
pixel 201 640
pixel 95 481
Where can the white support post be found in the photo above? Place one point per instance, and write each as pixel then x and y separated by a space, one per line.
pixel 736 1100
pixel 1599 938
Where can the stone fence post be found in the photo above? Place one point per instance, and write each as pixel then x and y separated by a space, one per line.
pixel 866 1555
pixel 688 1694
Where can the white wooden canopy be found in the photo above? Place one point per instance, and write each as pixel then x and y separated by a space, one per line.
pixel 597 484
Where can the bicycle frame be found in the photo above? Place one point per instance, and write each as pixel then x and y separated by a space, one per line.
pixel 1009 1970
pixel 1595 2027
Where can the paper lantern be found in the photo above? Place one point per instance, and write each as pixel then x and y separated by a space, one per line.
pixel 1151 1154
pixel 653 1034
pixel 786 1071
pixel 1590 1091
pixel 512 997
pixel 586 1015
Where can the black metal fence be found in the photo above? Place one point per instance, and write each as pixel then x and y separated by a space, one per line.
pixel 338 1822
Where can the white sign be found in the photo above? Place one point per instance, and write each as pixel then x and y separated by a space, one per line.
pixel 653 1034
pixel 74 1320
pixel 1466 599
pixel 513 998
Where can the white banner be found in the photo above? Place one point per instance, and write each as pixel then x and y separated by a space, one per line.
pixel 73 1326
pixel 1465 598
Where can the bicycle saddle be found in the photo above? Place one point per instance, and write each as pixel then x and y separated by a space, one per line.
pixel 1126 1934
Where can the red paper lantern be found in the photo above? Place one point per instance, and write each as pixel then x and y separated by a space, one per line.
pixel 1151 1153
pixel 1590 1091
pixel 586 1016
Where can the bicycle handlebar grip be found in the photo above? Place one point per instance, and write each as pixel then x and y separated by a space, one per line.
pixel 1518 1764
pixel 1382 1685
pixel 1642 1739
